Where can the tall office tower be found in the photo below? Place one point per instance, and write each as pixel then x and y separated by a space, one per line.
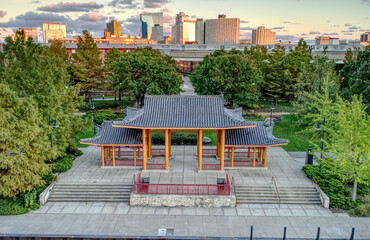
pixel 184 29
pixel 53 31
pixel 199 31
pixel 365 37
pixel 114 27
pixel 263 36
pixel 157 32
pixel 30 32
pixel 222 30
pixel 147 22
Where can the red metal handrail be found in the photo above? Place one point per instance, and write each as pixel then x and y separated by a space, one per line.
pixel 132 187
pixel 317 187
pixel 183 189
pixel 277 191
pixel 236 197
pixel 47 190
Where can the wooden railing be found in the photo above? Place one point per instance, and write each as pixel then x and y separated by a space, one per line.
pixel 277 191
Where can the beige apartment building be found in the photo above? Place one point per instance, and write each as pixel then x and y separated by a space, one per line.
pixel 53 31
pixel 263 36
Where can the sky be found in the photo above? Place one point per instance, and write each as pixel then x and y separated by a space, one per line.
pixel 291 19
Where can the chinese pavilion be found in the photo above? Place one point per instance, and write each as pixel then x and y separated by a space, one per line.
pixel 129 142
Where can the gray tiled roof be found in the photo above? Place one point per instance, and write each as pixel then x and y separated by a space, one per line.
pixel 108 135
pixel 184 112
pixel 257 136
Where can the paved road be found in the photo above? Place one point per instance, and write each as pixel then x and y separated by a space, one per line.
pixel 187 87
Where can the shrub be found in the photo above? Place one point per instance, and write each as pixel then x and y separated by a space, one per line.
pixel 329 182
pixel 74 151
pixel 63 164
pixel 104 115
pixel 12 206
pixel 362 210
pixel 176 138
pixel 102 105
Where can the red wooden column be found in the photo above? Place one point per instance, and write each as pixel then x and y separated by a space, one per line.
pixel 254 157
pixel 264 157
pixel 200 145
pixel 149 142
pixel 135 156
pixel 114 159
pixel 232 157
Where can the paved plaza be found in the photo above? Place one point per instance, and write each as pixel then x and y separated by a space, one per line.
pixel 120 219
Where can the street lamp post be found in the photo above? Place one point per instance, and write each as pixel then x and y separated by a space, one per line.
pixel 318 128
pixel 272 108
pixel 93 109
pixel 51 132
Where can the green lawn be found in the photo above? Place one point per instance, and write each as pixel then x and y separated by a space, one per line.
pixel 279 107
pixel 212 136
pixel 88 134
pixel 286 129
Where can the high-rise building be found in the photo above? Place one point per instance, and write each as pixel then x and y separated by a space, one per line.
pixel 53 31
pixel 184 29
pixel 114 27
pixel 157 32
pixel 222 30
pixel 148 21
pixel 326 40
pixel 263 36
pixel 199 31
pixel 365 37
pixel 30 32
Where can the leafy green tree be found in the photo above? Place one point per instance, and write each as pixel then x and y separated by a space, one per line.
pixel 88 69
pixel 146 71
pixel 33 84
pixel 356 77
pixel 59 50
pixel 351 55
pixel 109 64
pixel 230 73
pixel 350 142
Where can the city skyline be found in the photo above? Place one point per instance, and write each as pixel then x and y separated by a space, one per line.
pixel 291 19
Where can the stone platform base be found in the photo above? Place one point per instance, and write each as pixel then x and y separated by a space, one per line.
pixel 182 200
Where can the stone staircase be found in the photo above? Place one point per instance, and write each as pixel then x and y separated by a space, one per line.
pixel 90 192
pixel 266 194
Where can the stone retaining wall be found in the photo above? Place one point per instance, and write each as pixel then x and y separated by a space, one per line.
pixel 162 200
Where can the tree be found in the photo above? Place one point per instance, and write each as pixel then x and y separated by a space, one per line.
pixel 356 77
pixel 146 71
pixel 275 80
pixel 111 58
pixel 88 69
pixel 33 85
pixel 230 73
pixel 350 142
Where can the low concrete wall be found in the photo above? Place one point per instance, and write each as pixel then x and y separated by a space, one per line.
pixel 325 200
pixel 182 200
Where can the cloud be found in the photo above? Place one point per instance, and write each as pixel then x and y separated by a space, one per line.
pixel 131 25
pixel 315 33
pixel 365 2
pixel 155 3
pixel 36 1
pixel 291 22
pixel 32 19
pixel 348 25
pixel 71 7
pixel 334 26
pixel 128 4
pixel 353 28
pixel 168 19
pixel 287 38
pixel 348 34
pixel 246 28
pixel 94 16
pixel 243 21
pixel 3 13
pixel 304 34
pixel 278 28
pixel 330 34
pixel 166 10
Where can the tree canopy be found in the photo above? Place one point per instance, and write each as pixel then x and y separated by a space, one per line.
pixel 230 73
pixel 146 71
pixel 33 85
